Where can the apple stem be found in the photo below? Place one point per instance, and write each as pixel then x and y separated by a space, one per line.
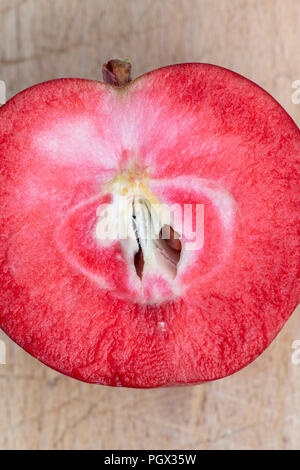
pixel 117 72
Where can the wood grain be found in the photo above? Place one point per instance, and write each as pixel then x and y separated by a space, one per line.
pixel 256 408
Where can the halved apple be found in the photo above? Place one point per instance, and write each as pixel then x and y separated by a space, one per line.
pixel 149 232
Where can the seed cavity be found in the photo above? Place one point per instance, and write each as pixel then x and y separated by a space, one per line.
pixel 138 257
pixel 142 224
pixel 169 244
pixel 162 249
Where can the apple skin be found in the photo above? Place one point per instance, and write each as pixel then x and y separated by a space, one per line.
pixel 71 304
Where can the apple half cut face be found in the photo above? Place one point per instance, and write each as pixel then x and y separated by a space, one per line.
pixel 149 233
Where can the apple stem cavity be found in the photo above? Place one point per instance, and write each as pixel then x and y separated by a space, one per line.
pixel 117 72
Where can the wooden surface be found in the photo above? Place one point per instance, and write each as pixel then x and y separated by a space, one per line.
pixel 256 408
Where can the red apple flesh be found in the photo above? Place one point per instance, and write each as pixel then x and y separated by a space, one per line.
pixel 109 312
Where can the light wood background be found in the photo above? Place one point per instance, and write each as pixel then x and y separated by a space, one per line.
pixel 260 406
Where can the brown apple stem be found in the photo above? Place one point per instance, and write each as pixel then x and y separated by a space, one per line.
pixel 117 72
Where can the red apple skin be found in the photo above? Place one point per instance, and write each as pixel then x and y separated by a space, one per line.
pixel 69 303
